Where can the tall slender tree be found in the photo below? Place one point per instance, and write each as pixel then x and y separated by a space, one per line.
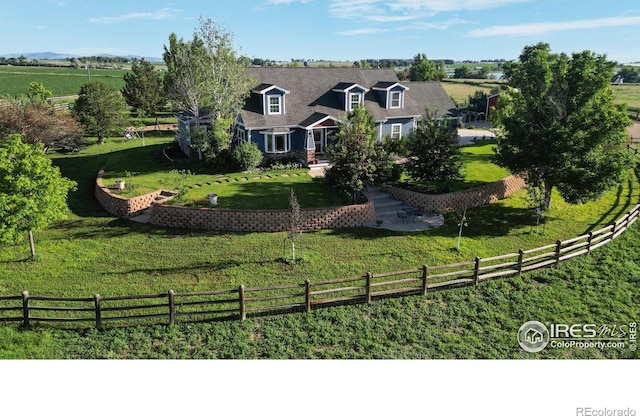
pixel 207 73
pixel 560 126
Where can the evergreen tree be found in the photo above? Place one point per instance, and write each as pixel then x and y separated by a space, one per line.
pixel 143 90
pixel 357 159
pixel 434 152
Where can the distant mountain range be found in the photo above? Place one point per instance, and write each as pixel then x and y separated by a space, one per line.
pixel 59 56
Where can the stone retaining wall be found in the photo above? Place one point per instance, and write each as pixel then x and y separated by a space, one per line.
pixel 217 219
pixel 455 201
pixel 119 206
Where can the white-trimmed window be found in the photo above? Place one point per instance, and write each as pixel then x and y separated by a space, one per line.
pixel 355 100
pixel 396 131
pixel 241 135
pixel 396 99
pixel 275 104
pixel 277 142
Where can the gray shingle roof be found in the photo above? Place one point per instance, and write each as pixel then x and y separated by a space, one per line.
pixel 311 96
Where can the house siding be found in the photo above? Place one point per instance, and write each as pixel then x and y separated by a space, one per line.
pixel 407 126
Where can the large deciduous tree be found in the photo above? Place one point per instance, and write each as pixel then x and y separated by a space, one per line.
pixel 143 88
pixel 357 159
pixel 99 108
pixel 560 126
pixel 423 69
pixel 32 191
pixel 207 73
pixel 39 123
pixel 434 152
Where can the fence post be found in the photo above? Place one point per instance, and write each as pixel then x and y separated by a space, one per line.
pixel 558 248
pixel 613 229
pixel 520 259
pixel 368 287
pixel 243 308
pixel 25 308
pixel 172 307
pixel 589 242
pixel 425 274
pixel 307 294
pixel 97 305
pixel 476 272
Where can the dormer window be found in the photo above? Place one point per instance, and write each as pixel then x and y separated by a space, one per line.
pixel 391 93
pixel 351 94
pixel 396 101
pixel 272 97
pixel 355 100
pixel 275 104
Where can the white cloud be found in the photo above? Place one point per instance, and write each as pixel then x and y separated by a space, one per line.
pixel 450 5
pixel 385 11
pixel 162 14
pixel 548 27
pixel 375 10
pixel 361 32
pixel 355 9
pixel 436 25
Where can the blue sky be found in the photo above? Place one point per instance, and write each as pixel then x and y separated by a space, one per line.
pixel 327 29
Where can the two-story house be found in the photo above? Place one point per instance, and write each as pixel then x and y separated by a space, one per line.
pixel 297 111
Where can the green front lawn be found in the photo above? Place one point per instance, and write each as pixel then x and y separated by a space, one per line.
pixel 479 168
pixel 146 170
pixel 92 252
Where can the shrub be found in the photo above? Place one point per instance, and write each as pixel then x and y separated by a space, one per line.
pixel 284 163
pixel 246 156
pixel 398 147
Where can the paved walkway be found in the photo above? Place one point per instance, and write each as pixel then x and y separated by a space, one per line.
pixel 471 136
pixel 387 208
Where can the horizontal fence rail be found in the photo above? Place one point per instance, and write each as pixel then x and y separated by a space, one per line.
pixel 243 302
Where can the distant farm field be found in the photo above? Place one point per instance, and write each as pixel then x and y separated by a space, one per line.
pixel 460 89
pixel 14 80
pixel 630 94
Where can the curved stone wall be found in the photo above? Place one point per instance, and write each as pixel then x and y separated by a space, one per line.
pixel 455 201
pixel 217 219
pixel 119 206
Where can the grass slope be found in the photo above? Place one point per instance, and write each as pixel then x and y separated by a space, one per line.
pixel 480 322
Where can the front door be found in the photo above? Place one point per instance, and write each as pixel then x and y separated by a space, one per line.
pixel 318 137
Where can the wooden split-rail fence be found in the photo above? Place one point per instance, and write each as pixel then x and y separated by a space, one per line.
pixel 175 307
